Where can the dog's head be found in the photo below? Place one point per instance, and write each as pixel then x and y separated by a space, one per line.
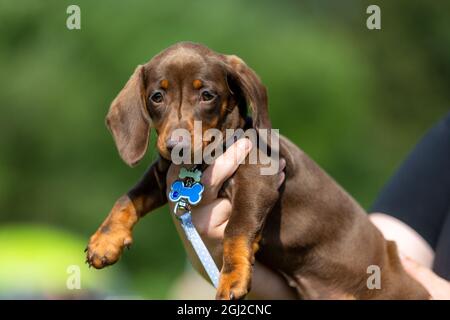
pixel 185 83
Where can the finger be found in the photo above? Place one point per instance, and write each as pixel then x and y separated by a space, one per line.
pixel 417 271
pixel 210 220
pixel 282 165
pixel 224 166
pixel 412 266
pixel 437 287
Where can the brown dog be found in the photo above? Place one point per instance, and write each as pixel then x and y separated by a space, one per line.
pixel 310 230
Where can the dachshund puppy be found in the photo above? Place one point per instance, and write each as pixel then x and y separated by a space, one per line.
pixel 310 230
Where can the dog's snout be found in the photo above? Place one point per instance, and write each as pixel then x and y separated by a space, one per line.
pixel 171 143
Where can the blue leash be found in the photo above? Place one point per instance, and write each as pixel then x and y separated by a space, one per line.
pixel 184 193
pixel 200 248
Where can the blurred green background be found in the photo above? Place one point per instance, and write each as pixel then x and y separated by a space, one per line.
pixel 356 100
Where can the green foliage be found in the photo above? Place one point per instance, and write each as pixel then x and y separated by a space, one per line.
pixel 355 100
pixel 36 262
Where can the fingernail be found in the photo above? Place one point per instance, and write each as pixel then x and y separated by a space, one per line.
pixel 242 147
pixel 247 144
pixel 282 164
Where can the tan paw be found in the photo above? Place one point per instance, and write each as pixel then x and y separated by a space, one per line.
pixel 233 286
pixel 106 245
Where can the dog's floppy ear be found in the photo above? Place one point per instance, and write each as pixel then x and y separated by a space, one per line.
pixel 128 119
pixel 252 88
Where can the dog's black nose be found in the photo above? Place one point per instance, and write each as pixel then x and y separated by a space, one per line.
pixel 171 143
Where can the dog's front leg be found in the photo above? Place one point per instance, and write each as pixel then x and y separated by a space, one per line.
pixel 108 242
pixel 252 198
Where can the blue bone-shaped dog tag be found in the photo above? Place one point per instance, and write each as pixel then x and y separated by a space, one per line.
pixel 192 194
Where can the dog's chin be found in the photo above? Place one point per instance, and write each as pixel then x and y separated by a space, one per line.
pixel 167 154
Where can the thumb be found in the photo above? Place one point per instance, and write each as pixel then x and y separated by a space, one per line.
pixel 415 269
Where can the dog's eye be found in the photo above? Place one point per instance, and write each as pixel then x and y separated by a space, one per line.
pixel 207 96
pixel 157 97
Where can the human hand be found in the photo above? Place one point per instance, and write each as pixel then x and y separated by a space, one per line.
pixel 211 215
pixel 416 254
pixel 438 287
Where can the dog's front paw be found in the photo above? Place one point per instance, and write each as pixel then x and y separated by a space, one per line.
pixel 106 245
pixel 233 286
